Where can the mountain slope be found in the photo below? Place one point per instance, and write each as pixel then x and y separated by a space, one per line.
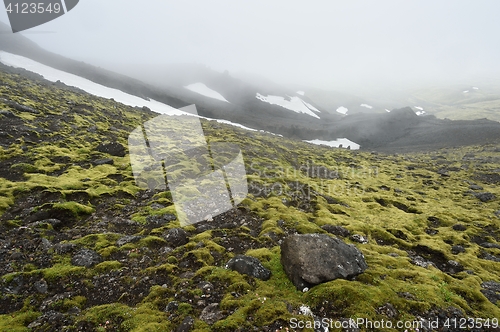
pixel 83 248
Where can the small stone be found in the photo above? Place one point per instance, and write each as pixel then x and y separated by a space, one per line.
pixel 459 227
pixel 455 250
pixel 86 257
pixel 211 314
pixel 250 266
pixel 127 239
pixel 485 197
pixel 41 286
pixel 359 238
pixel 107 161
pixel 186 325
pixel 337 230
pixel 172 306
pixel 176 237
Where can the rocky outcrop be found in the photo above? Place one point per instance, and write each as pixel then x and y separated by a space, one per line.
pixel 311 259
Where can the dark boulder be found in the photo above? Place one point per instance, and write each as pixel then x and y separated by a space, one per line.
pixel 160 220
pixel 211 314
pixel 114 149
pixel 176 237
pixel 485 197
pixel 311 259
pixel 248 265
pixel 337 230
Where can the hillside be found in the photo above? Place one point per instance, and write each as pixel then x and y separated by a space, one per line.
pixel 83 248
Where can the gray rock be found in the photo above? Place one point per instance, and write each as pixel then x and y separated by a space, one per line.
pixel 176 237
pixel 490 245
pixel 127 239
pixel 388 310
pixel 491 290
pixel 211 314
pixel 106 161
pixel 337 230
pixel 475 187
pixel 311 259
pixel 160 220
pixel 455 250
pixel 485 197
pixel 186 325
pixel 64 248
pixel 250 266
pixel 41 286
pixel 8 114
pixel 459 227
pixel 86 257
pixel 172 306
pixel 114 149
pixel 359 238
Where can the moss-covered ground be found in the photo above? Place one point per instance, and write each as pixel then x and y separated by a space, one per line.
pixel 59 194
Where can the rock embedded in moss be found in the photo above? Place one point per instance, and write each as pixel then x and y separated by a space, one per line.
pixel 176 237
pixel 114 149
pixel 250 266
pixel 86 258
pixel 311 259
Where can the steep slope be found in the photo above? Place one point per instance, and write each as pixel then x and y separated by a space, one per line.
pixel 83 248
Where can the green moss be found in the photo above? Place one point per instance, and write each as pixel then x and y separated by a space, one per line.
pixel 17 322
pixel 61 270
pixel 108 266
pixel 75 208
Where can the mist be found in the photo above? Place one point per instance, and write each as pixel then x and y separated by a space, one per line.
pixel 355 45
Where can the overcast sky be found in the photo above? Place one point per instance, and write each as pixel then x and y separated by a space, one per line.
pixel 319 43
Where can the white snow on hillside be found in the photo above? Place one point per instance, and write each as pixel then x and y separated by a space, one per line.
pixel 337 143
pixel 95 89
pixel 294 104
pixel 311 107
pixel 366 106
pixel 204 90
pixel 302 93
pixel 342 110
pixel 419 108
pixel 387 110
pixel 475 88
pixel 420 113
pixel 466 91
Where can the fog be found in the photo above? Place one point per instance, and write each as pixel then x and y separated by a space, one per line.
pixel 326 44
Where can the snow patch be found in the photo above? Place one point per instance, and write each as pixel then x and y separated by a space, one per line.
pixel 339 142
pixel 95 89
pixel 475 88
pixel 420 113
pixel 387 110
pixel 294 104
pixel 204 90
pixel 302 93
pixel 419 108
pixel 342 110
pixel 366 106
pixel 466 91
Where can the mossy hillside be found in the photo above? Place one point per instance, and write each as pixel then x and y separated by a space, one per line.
pixel 401 203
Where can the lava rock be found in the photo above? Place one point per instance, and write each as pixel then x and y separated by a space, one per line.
pixel 359 238
pixel 211 314
pixel 490 245
pixel 455 250
pixel 311 259
pixel 186 325
pixel 160 220
pixel 176 237
pixel 475 187
pixel 248 265
pixel 41 286
pixel 485 197
pixel 64 248
pixel 459 227
pixel 114 149
pixel 86 257
pixel 8 114
pixel 337 230
pixel 127 239
pixel 107 161
pixel 491 290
